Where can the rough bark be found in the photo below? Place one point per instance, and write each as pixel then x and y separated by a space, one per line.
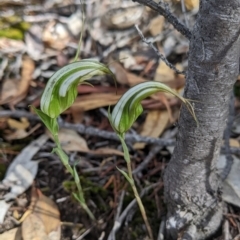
pixel 191 183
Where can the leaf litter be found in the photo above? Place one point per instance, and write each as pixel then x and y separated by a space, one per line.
pixel 50 42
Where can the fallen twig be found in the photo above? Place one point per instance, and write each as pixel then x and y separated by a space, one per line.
pixel 161 229
pixel 184 12
pixel 163 10
pixel 92 131
pixel 160 55
pixel 128 209
pixel 84 234
pixel 156 149
pixel 80 128
pixel 116 222
pixel 18 114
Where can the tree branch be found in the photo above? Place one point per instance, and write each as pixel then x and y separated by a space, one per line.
pixel 160 55
pixel 164 11
pixel 92 131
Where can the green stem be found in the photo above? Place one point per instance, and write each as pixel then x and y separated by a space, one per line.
pixel 81 194
pixel 64 159
pixel 88 211
pixel 80 40
pixel 133 186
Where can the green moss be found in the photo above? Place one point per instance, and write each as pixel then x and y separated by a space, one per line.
pixel 91 190
pixel 13 27
pixel 12 33
pixel 91 187
pixel 69 186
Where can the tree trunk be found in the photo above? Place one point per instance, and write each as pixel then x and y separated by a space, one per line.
pixel 191 184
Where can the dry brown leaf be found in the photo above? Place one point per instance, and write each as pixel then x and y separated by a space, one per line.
pixel 72 141
pixel 84 89
pixel 163 73
pixel 56 35
pixel 3 123
pixel 28 68
pixel 156 25
pixel 18 134
pixel 122 18
pixel 77 114
pixel 127 59
pixel 33 229
pixel 15 124
pixel 154 125
pixel 134 79
pixel 96 100
pixel 192 4
pixel 55 235
pixel 167 76
pixel 44 221
pixel 47 211
pixel 234 143
pixel 107 151
pixel 177 83
pixel 21 133
pixel 149 67
pixel 119 72
pixel 9 90
pixel 13 234
pixel 24 216
pixel 14 91
pixel 162 97
pixel 11 45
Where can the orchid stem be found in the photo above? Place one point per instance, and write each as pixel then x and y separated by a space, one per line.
pixel 133 186
pixel 65 161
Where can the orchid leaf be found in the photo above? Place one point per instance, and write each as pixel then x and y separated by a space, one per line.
pixel 77 197
pixel 129 107
pixel 50 123
pixel 61 89
pixel 125 175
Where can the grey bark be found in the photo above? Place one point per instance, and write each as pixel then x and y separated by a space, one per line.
pixel 191 184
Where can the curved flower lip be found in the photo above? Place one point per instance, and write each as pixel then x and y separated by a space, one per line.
pixel 129 107
pixel 61 89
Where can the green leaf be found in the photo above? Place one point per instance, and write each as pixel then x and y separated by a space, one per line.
pixel 129 107
pixel 77 197
pixel 125 175
pixel 125 149
pixel 50 123
pixel 75 175
pixel 61 89
pixel 63 156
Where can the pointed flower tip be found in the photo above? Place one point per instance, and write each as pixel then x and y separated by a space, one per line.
pixel 129 107
pixel 61 89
